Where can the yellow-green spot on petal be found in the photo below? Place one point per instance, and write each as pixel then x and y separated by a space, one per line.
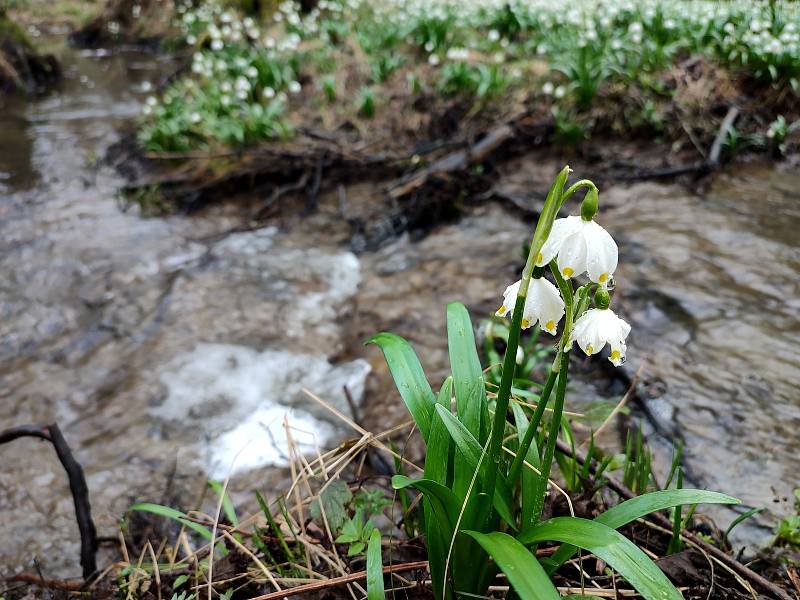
pixel 550 325
pixel 568 272
pixel 589 349
pixel 525 323
pixel 615 355
pixel 539 257
pixel 501 310
pixel 603 278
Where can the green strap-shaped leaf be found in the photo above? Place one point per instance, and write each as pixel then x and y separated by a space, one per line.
pixel 636 508
pixel 524 572
pixel 469 386
pixel 437 453
pixel 471 452
pixel 466 367
pixel 374 567
pixel 227 503
pixel 174 514
pixel 437 459
pixel 528 477
pixel 612 547
pixel 408 377
pixel 444 503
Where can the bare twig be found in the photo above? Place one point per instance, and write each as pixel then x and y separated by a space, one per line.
pixel 55 584
pixel 337 581
pixel 77 486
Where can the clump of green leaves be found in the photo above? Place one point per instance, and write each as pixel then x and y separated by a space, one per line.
pixel 486 476
pixel 356 532
pixel 348 515
pixel 787 533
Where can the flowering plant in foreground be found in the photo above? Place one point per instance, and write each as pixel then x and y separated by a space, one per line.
pixel 485 482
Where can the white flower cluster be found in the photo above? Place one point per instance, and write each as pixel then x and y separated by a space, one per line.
pixel 579 246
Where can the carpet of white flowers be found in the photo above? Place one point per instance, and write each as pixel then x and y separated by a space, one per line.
pixel 246 75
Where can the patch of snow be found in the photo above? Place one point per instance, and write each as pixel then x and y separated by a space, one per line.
pixel 235 399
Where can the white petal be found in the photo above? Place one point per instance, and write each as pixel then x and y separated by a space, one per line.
pixel 602 253
pixel 512 289
pixel 617 356
pixel 562 229
pixel 549 306
pixel 613 329
pixel 572 256
pixel 586 332
pixel 509 300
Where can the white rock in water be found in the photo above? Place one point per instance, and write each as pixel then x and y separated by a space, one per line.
pixel 234 399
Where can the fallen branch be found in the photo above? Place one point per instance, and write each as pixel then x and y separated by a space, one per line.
pixel 77 485
pixel 703 167
pixel 453 162
pixel 742 570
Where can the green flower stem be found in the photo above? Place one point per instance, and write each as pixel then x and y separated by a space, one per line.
pixel 519 459
pixel 550 448
pixel 575 187
pixel 569 300
pixel 543 227
pixel 504 394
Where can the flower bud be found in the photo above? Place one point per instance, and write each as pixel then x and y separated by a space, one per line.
pixel 602 300
pixel 589 204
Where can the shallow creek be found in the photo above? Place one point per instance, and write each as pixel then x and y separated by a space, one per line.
pixel 169 350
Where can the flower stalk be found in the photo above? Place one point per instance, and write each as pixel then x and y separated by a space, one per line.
pixel 543 228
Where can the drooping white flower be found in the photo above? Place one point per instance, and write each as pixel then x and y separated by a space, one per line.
pixel 598 327
pixel 543 304
pixel 582 247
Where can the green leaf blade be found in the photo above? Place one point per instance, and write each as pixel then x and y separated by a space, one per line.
pixel 466 367
pixel 374 567
pixel 641 506
pixel 171 513
pixel 471 451
pixel 613 548
pixel 227 503
pixel 524 572
pixel 408 377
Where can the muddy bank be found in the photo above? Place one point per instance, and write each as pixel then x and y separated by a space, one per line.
pixel 22 69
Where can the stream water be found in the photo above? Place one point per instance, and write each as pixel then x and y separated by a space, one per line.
pixel 169 350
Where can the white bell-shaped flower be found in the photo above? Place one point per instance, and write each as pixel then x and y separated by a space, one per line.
pixel 543 304
pixel 598 327
pixel 582 247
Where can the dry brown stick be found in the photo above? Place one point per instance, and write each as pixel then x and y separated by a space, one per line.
pixel 54 584
pixel 77 486
pixel 712 162
pixel 337 581
pixel 663 521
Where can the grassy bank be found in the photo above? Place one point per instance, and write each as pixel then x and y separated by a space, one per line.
pixel 665 71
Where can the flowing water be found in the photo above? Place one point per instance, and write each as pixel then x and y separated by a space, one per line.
pixel 170 349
